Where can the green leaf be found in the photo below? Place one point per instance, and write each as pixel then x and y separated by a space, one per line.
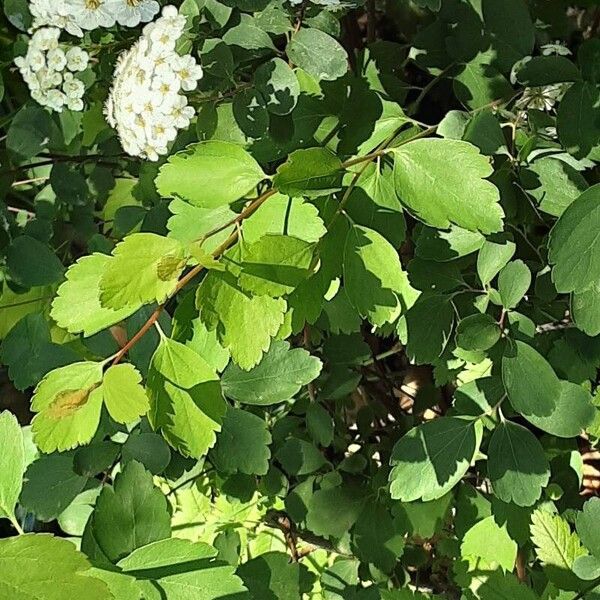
pixel 319 424
pixel 77 306
pixel 29 562
pixel 165 553
pixel 492 257
pixel 453 124
pixel 188 419
pixel 278 85
pixel 423 519
pixel 209 174
pixel 121 586
pixel 278 377
pixel 377 537
pixel 248 35
pixel 554 183
pixel 432 458
pixel 477 332
pixel 250 111
pixel 440 196
pixel 128 515
pixel 245 324
pixel 12 464
pixel 547 70
pixel 29 131
pixel 517 466
pixel 150 449
pixel 529 395
pixel 490 542
pixel 282 215
pixel 372 275
pixel 124 396
pixel 511 30
pixel 191 223
pixel 586 310
pixel 374 204
pixel 68 402
pixel 13 306
pixel 17 12
pixel 481 83
pixel 275 265
pixel 574 247
pixel 181 365
pixel 31 262
pixel 243 444
pixel 310 172
pixel 299 457
pixel 577 122
pixel 587 526
pixel 203 583
pixel 318 54
pixel 271 575
pixel 50 485
pixel 586 567
pixel 478 397
pixel 483 130
pixel 95 458
pixel 198 337
pixel 442 246
pixel 502 586
pixel 145 269
pixel 513 282
pixel 429 323
pixel 587 58
pixel 333 511
pixel 556 547
pixel 29 354
pixel 573 413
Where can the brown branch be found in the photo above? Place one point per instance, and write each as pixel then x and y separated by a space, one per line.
pixel 139 335
pixel 520 566
pixel 250 209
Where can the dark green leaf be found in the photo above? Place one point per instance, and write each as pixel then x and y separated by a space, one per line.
pixel 517 466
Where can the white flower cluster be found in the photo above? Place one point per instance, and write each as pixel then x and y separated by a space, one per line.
pixel 541 98
pixel 75 16
pixel 146 104
pixel 49 69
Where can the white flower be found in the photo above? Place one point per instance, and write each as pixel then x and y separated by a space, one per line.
pixel 56 99
pixel 541 98
pixel 56 59
pixel 72 87
pixel 181 113
pixel 171 19
pixel 145 104
pixel 56 13
pixel 77 59
pixel 44 70
pixel 46 38
pixel 75 104
pixel 130 13
pixel 37 60
pixel 188 71
pixel 166 86
pixel 49 78
pixel 91 14
pixel 163 41
pixel 163 130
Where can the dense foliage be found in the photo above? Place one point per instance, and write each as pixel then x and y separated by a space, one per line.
pixel 300 299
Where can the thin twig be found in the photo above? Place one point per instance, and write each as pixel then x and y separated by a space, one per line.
pixel 187 278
